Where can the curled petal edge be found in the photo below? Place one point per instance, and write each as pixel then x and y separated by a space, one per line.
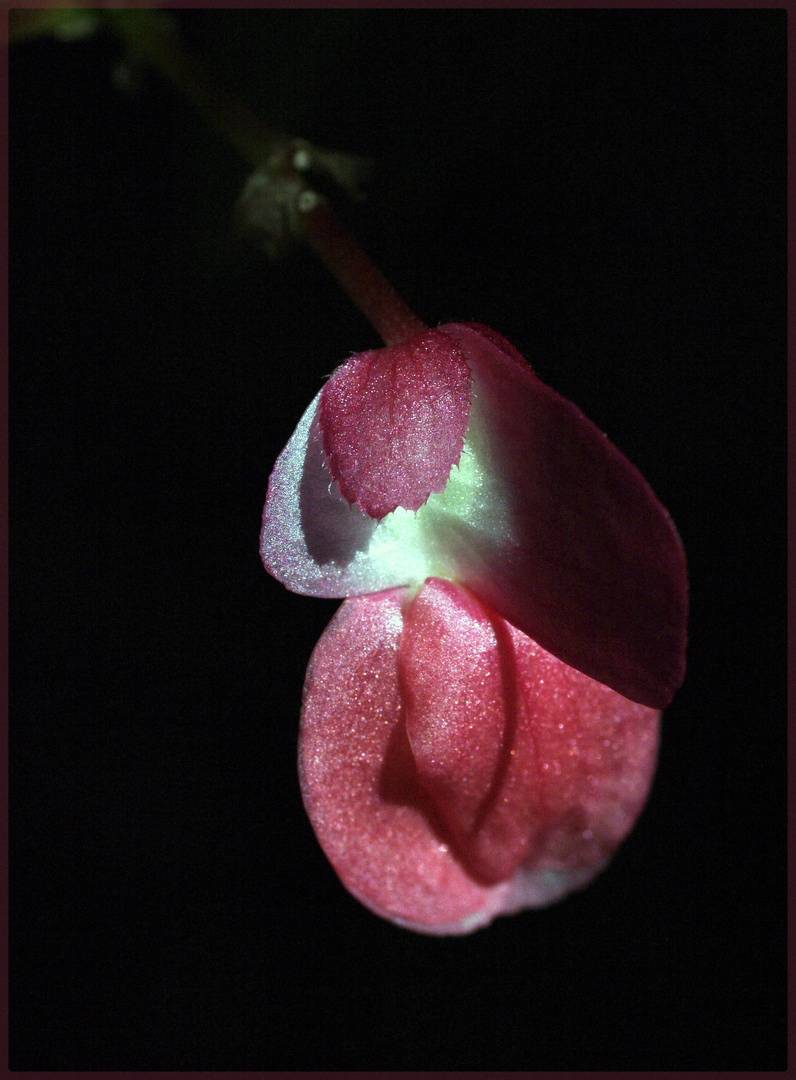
pixel 543 519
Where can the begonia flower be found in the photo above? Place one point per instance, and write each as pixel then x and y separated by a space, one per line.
pixel 480 719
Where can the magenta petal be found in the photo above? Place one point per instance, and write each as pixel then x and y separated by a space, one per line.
pixel 586 759
pixel 359 783
pixel 543 519
pixel 590 565
pixel 469 728
pixel 595 758
pixel 530 763
pixel 393 422
pixel 498 340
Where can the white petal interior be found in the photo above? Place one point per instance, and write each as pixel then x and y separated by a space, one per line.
pixel 315 543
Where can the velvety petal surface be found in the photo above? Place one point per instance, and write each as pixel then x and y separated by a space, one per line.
pixel 373 820
pixel 393 422
pixel 590 565
pixel 596 754
pixel 311 539
pixel 529 762
pixel 543 518
pixel 392 774
pixel 469 728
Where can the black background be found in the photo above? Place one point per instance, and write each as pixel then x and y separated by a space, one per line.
pixel 604 188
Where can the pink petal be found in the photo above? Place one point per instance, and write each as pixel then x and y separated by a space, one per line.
pixel 393 422
pixel 530 763
pixel 556 531
pixel 589 563
pixel 585 780
pixel 596 754
pixel 498 340
pixel 311 539
pixel 469 728
pixel 359 783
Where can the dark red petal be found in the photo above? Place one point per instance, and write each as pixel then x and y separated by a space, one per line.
pixel 393 422
pixel 592 567
pixel 511 351
pixel 359 782
pixel 595 753
pixel 529 762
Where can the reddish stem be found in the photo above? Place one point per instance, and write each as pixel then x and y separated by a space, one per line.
pixel 361 279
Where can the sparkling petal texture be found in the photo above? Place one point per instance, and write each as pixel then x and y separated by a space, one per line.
pixel 393 422
pixel 591 565
pixel 311 539
pixel 453 770
pixel 469 728
pixel 360 787
pixel 543 519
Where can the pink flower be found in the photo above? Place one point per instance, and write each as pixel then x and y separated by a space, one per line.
pixel 480 721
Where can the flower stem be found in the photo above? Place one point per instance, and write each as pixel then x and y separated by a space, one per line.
pixel 283 160
pixel 362 280
pixel 150 35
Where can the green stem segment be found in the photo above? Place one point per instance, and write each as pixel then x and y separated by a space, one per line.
pixel 149 35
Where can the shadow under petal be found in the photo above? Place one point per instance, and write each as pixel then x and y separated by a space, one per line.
pixel 399 784
pixel 333 531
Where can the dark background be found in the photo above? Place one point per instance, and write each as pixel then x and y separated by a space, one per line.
pixel 604 188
